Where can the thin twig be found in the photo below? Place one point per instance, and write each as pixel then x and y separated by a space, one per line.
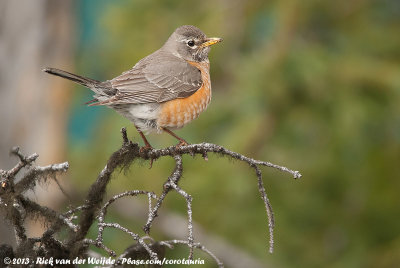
pixel 195 245
pixel 173 182
pixel 99 245
pixel 23 161
pixel 135 236
pixel 175 176
pixel 103 211
pixel 268 208
pixel 18 215
pixel 204 147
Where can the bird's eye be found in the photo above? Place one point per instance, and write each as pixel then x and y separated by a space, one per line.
pixel 190 43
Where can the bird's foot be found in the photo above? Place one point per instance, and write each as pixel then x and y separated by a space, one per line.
pixel 182 142
pixel 144 150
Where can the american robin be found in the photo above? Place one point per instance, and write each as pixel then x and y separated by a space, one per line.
pixel 163 91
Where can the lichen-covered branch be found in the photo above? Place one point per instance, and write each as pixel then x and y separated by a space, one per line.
pixel 93 211
pixel 13 204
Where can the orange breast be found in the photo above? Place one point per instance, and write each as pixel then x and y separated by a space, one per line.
pixel 178 112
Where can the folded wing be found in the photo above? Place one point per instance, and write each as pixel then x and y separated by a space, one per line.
pixel 160 77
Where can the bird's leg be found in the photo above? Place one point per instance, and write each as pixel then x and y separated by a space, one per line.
pixel 146 142
pixel 182 142
pixel 147 145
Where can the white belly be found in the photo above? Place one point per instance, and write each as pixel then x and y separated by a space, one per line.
pixel 144 116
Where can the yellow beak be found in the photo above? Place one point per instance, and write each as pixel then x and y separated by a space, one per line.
pixel 211 41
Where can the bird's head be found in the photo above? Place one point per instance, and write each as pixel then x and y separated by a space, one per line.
pixel 190 43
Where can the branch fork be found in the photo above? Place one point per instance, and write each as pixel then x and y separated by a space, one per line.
pixel 94 210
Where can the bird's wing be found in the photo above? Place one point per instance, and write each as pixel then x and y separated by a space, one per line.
pixel 158 78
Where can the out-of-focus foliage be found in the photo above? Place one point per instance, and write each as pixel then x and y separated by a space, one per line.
pixel 313 85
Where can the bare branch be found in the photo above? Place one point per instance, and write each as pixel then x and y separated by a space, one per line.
pixel 18 215
pixel 173 183
pixel 99 245
pixel 195 245
pixel 204 148
pixel 103 211
pixel 268 208
pixel 23 161
pixel 174 177
pixel 135 236
pixel 95 196
pixel 76 244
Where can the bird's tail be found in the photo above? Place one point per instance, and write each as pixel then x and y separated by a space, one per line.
pixel 87 82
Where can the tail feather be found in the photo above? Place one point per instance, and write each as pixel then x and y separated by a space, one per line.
pixel 101 89
pixel 87 82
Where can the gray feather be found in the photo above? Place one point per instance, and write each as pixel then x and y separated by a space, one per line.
pixel 159 77
pixel 100 88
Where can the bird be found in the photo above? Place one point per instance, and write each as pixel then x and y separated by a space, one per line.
pixel 163 91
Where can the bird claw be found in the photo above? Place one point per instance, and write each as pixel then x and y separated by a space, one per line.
pixel 151 163
pixel 146 149
pixel 182 143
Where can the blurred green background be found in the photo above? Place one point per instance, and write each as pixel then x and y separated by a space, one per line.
pixel 312 85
